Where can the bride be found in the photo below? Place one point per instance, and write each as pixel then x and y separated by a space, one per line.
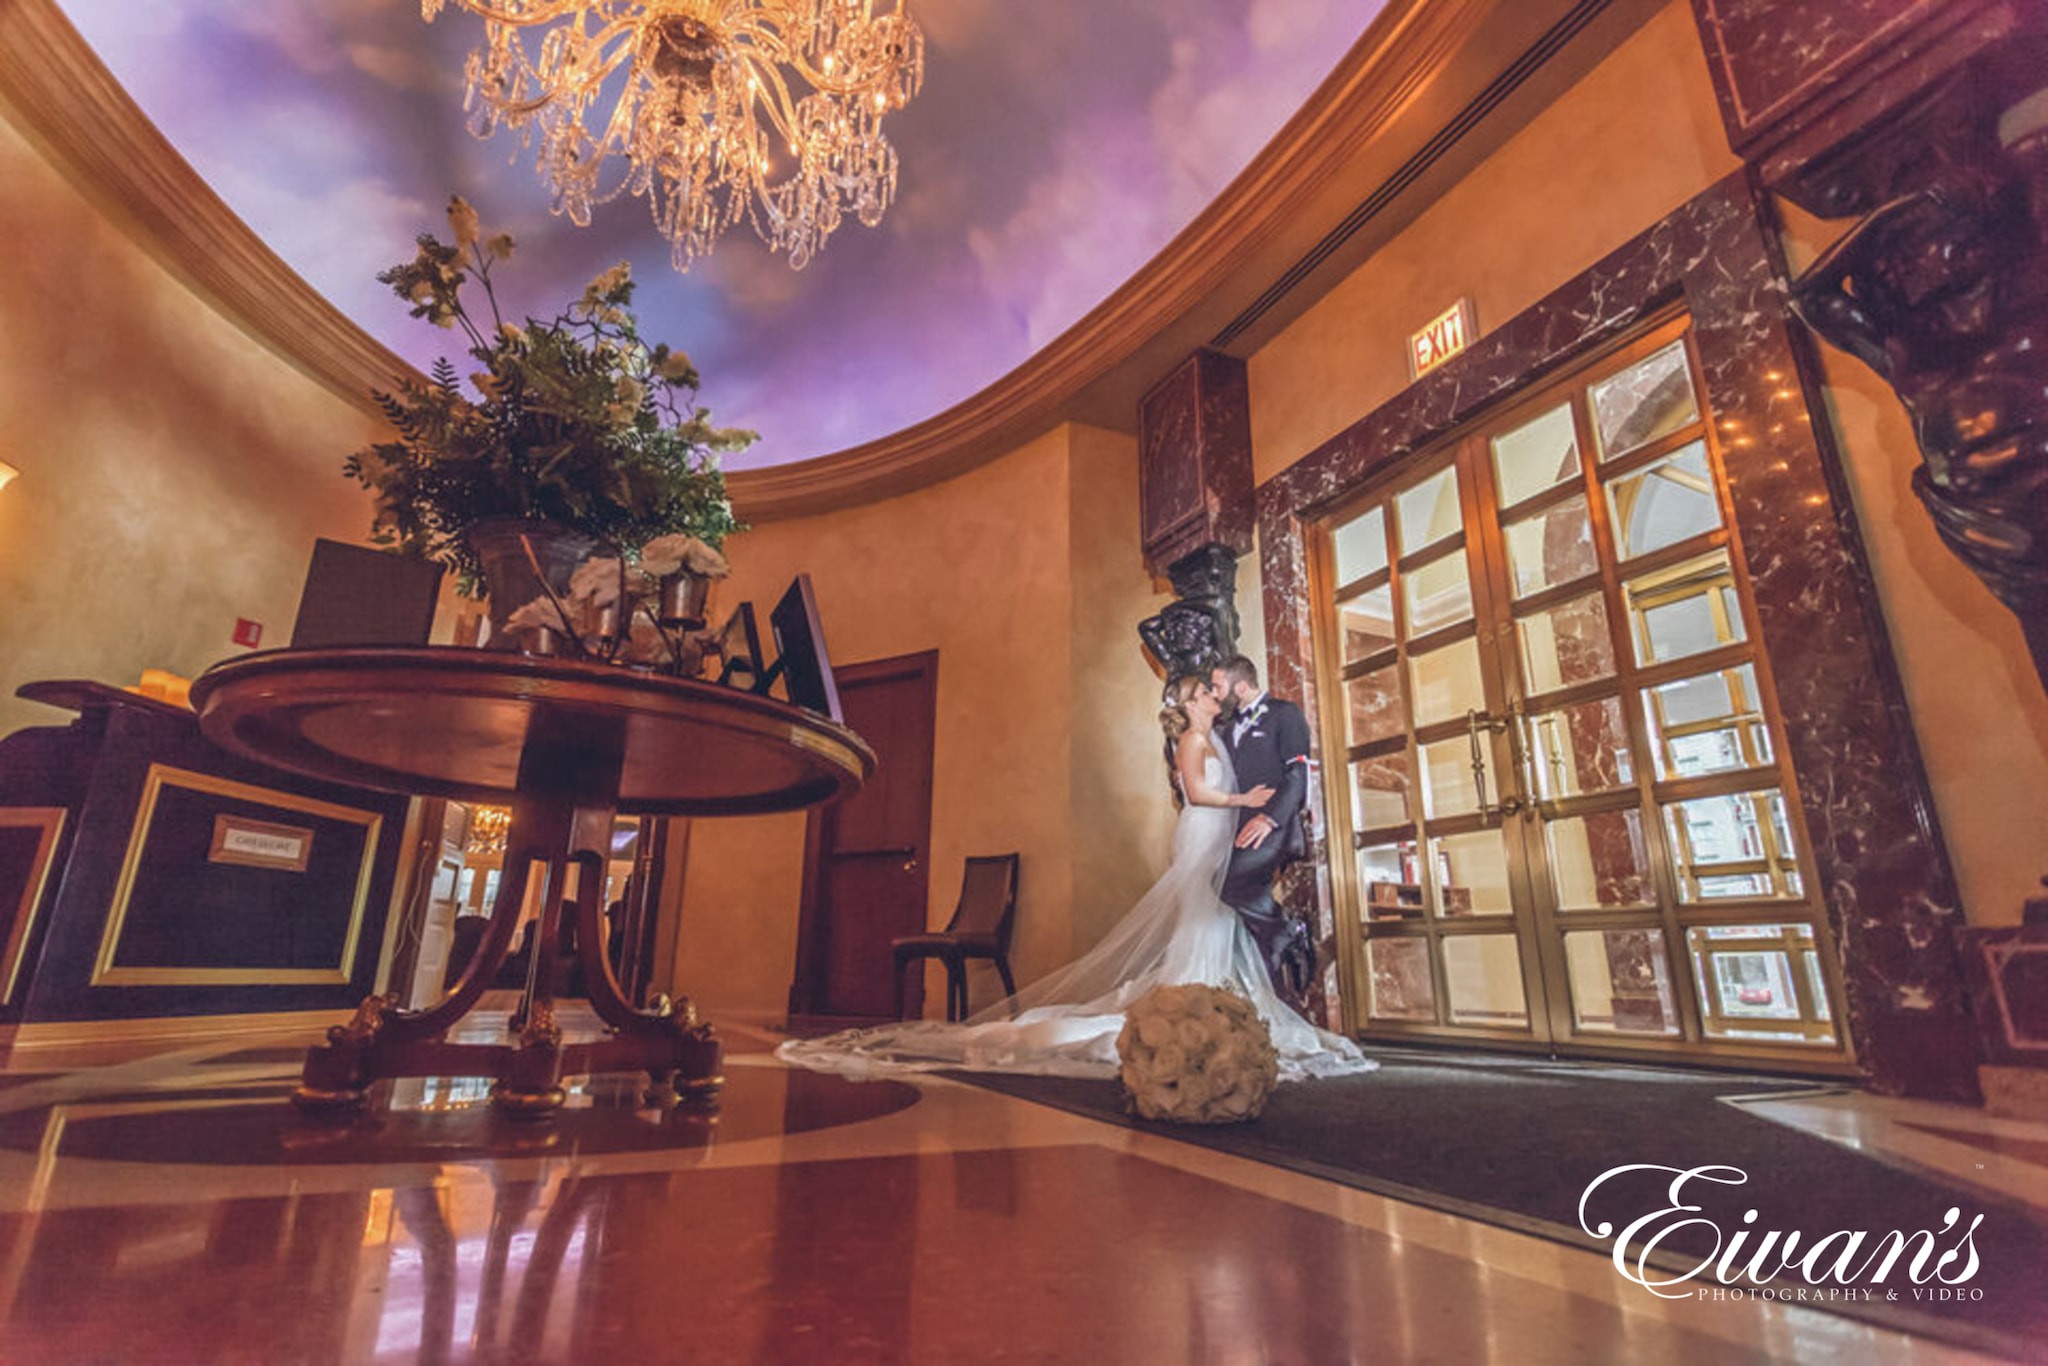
pixel 1180 932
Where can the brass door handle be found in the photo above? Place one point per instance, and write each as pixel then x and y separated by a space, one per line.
pixel 1521 743
pixel 906 852
pixel 1477 722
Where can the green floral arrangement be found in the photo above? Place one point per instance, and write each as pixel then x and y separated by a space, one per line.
pixel 576 421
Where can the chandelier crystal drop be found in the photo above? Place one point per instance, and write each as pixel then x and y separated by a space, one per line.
pixel 713 110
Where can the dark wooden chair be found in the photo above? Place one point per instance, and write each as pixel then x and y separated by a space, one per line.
pixel 980 928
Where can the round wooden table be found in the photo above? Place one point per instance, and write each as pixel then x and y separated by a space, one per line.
pixel 567 745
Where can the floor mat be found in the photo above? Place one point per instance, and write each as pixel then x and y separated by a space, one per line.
pixel 1516 1142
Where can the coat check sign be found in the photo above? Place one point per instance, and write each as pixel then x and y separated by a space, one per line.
pixel 1442 338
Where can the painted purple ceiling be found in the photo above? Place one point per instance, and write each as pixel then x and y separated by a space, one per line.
pixel 1058 144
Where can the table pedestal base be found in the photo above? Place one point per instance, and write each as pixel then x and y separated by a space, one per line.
pixel 566 824
pixel 682 1059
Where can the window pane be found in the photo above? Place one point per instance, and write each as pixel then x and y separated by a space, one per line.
pixel 1600 862
pixel 1447 683
pixel 1536 456
pixel 1380 792
pixel 1472 872
pixel 1437 593
pixel 1361 546
pixel 1581 748
pixel 1484 973
pixel 1375 708
pixel 1554 546
pixel 1709 697
pixel 1649 399
pixel 1710 724
pixel 1675 629
pixel 1448 784
pixel 1744 976
pixel 1368 622
pixel 1391 879
pixel 1567 645
pixel 1401 985
pixel 1684 610
pixel 1735 845
pixel 1668 501
pixel 1429 512
pixel 1621 982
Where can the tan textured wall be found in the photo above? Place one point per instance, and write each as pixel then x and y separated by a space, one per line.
pixel 977 569
pixel 1977 704
pixel 1025 576
pixel 1590 172
pixel 174 472
pixel 1122 807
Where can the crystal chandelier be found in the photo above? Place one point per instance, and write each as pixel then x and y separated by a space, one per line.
pixel 715 110
pixel 488 827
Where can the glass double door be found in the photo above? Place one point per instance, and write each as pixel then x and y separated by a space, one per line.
pixel 1559 761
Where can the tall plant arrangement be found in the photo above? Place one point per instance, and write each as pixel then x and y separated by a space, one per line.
pixel 575 420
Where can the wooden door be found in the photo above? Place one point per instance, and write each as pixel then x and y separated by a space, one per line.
pixel 865 864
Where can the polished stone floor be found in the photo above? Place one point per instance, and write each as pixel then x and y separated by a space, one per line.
pixel 167 1206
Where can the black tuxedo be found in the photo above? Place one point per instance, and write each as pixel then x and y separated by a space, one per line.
pixel 1268 744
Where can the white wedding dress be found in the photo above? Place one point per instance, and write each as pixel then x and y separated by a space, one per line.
pixel 1066 1023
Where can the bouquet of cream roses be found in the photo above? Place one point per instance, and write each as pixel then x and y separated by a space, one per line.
pixel 1196 1054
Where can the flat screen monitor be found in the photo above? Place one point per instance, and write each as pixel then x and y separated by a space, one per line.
pixel 804 663
pixel 355 595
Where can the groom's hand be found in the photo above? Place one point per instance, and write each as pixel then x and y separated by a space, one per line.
pixel 1255 831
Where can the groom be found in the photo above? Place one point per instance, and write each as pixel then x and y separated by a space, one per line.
pixel 1267 739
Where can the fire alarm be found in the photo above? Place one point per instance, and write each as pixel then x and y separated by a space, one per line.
pixel 247 632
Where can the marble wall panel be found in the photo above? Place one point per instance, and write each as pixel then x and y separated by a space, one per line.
pixel 1889 893
pixel 1195 460
pixel 1770 56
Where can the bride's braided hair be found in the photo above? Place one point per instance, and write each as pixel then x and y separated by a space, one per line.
pixel 1173 719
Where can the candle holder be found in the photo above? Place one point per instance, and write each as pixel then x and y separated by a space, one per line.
pixel 682 601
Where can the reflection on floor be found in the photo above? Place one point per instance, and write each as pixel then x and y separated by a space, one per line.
pixel 172 1208
pixel 2006 1156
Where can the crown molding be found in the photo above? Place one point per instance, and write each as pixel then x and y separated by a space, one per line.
pixel 65 100
pixel 1312 172
pixel 1399 54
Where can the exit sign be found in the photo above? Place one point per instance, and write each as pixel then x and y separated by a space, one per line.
pixel 1444 337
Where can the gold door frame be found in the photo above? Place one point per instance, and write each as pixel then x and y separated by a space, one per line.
pixel 1540 923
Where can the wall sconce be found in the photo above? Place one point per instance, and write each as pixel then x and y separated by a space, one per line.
pixel 8 474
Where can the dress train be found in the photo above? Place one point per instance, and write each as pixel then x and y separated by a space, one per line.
pixel 1066 1024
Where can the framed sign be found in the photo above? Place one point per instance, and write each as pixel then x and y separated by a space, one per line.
pixel 201 902
pixel 1441 338
pixel 260 844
